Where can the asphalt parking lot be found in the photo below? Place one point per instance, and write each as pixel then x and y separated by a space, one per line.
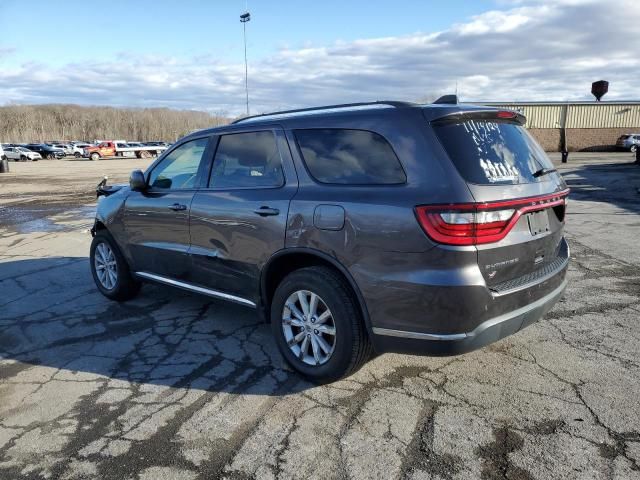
pixel 172 385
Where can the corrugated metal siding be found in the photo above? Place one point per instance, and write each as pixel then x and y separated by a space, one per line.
pixel 594 115
pixel 603 116
pixel 538 116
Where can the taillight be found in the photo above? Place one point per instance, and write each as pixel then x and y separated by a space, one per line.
pixel 464 224
pixel 479 223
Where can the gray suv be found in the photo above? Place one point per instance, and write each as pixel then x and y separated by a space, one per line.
pixel 386 226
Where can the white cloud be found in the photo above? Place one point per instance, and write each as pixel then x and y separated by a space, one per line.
pixel 496 22
pixel 533 50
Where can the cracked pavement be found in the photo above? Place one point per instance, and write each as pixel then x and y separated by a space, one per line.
pixel 176 386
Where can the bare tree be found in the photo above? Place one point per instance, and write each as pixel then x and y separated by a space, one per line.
pixel 40 123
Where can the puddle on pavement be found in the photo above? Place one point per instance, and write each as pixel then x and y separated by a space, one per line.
pixel 55 218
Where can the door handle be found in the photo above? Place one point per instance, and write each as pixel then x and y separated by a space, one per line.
pixel 266 211
pixel 177 207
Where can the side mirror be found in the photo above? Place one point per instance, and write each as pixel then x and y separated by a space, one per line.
pixel 137 181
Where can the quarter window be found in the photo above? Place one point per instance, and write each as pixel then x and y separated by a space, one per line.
pixel 245 160
pixel 178 170
pixel 350 157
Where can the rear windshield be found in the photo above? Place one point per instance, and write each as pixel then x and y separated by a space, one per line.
pixel 492 152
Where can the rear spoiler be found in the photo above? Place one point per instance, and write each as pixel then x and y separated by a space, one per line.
pixel 510 116
pixel 448 99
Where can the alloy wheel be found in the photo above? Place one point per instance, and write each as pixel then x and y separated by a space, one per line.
pixel 106 266
pixel 309 328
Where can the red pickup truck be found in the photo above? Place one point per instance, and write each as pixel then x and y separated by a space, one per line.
pixel 115 149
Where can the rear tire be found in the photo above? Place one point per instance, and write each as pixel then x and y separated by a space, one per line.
pixel 77 155
pixel 350 345
pixel 110 270
pixel 633 148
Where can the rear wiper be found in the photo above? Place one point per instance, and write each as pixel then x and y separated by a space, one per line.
pixel 543 171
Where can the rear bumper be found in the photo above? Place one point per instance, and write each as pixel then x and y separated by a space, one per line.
pixel 625 146
pixel 489 331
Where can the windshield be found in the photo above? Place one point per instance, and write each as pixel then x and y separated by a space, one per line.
pixel 493 152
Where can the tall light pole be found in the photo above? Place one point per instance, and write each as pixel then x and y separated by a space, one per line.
pixel 244 18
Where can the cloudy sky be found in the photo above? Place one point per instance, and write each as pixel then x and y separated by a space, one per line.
pixel 189 54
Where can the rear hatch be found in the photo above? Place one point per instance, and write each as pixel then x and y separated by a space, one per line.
pixel 517 219
pixel 621 140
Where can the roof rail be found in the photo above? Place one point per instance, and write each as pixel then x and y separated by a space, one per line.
pixel 391 103
pixel 450 99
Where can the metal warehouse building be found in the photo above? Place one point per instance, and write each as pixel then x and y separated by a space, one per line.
pixel 582 125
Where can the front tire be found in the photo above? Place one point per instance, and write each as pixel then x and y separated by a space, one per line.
pixel 110 270
pixel 94 156
pixel 77 155
pixel 318 326
pixel 633 148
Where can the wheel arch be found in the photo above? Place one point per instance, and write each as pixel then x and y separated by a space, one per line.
pixel 98 225
pixel 288 260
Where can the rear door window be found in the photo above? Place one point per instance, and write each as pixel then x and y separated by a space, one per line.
pixel 349 157
pixel 247 160
pixel 492 152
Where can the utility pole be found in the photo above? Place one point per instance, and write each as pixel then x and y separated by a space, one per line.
pixel 244 18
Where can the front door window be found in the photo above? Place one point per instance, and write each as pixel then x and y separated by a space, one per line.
pixel 179 169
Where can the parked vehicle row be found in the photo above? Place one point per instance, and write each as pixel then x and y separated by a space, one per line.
pixel 57 150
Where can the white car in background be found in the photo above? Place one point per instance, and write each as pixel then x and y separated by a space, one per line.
pixel 77 149
pixel 67 149
pixel 21 154
pixel 630 141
